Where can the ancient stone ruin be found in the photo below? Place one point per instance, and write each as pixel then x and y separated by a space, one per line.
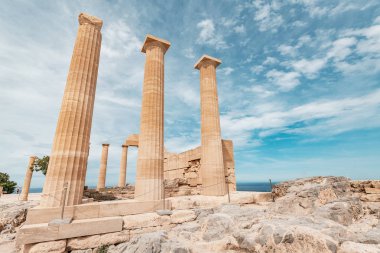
pixel 207 170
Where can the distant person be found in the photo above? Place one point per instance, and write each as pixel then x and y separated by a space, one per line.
pixel 17 190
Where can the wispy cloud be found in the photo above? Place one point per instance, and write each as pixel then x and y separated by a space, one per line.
pixel 286 81
pixel 208 35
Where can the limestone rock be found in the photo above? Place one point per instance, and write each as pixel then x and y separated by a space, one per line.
pixel 342 212
pixel 352 247
pixel 216 226
pixel 49 247
pixel 181 216
pixel 82 251
pixel 370 198
pixel 13 215
pixel 95 241
pixel 145 220
pixel 150 242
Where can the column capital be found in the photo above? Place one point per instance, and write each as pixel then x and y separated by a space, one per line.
pixel 149 39
pixel 207 59
pixel 85 18
pixel 124 146
pixel 105 144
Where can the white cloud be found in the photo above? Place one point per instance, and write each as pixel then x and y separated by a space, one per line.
pixel 257 69
pixel 299 23
pixel 261 91
pixel 341 48
pixel 334 117
pixel 377 20
pixel 270 60
pixel 226 71
pixel 189 53
pixel 119 40
pixel 239 29
pixel 286 81
pixel 208 36
pixel 287 50
pixel 266 17
pixel 305 39
pixel 207 30
pixel 309 68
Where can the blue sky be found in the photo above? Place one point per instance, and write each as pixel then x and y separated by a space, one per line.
pixel 299 87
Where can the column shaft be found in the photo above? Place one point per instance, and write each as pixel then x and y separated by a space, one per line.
pixel 103 168
pixel 68 160
pixel 212 165
pixel 150 161
pixel 123 166
pixel 28 179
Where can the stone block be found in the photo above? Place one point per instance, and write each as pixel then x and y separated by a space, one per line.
pixel 372 190
pixel 96 210
pixel 87 211
pixel 43 232
pixel 47 247
pixel 145 220
pixel 370 198
pixel 39 215
pixel 90 227
pixel 181 216
pixel 36 233
pixel 95 241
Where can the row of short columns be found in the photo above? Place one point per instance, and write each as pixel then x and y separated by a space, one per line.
pixel 69 156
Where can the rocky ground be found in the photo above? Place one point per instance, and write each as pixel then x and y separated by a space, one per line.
pixel 12 216
pixel 320 214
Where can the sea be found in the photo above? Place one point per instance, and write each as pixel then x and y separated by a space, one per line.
pixel 241 186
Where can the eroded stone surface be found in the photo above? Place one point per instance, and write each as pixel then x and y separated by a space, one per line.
pixel 332 219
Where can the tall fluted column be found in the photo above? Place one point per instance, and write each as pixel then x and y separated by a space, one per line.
pixel 68 159
pixel 123 166
pixel 150 161
pixel 212 166
pixel 28 179
pixel 103 168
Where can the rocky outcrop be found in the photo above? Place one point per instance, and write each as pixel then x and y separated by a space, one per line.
pixel 12 215
pixel 320 214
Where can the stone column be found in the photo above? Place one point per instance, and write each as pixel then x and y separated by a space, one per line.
pixel 123 166
pixel 28 179
pixel 103 168
pixel 212 166
pixel 150 161
pixel 68 159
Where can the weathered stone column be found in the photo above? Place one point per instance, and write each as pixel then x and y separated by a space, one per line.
pixel 123 166
pixel 68 159
pixel 212 166
pixel 103 168
pixel 150 161
pixel 28 179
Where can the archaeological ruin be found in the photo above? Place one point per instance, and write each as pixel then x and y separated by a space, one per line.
pixel 205 170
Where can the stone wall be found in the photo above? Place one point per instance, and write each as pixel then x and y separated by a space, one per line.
pixel 182 171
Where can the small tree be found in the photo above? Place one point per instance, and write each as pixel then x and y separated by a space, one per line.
pixel 41 164
pixel 8 186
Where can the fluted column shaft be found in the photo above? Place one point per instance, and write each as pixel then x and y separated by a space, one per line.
pixel 28 179
pixel 123 166
pixel 68 159
pixel 150 161
pixel 103 168
pixel 212 166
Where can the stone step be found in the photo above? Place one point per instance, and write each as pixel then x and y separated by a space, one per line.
pixel 44 232
pixel 372 190
pixel 112 208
